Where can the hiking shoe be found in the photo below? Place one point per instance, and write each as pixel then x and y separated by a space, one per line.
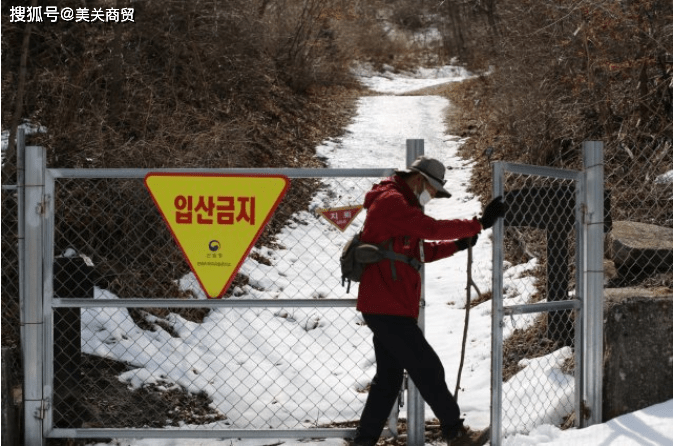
pixel 453 433
pixel 361 442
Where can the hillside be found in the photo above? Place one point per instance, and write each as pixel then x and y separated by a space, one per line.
pixel 186 84
pixel 565 72
pixel 262 83
pixel 560 73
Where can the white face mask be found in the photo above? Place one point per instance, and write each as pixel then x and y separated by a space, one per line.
pixel 424 197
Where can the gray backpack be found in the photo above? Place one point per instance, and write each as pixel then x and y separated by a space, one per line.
pixel 356 255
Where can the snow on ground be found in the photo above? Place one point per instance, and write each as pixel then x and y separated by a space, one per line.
pixel 376 138
pixel 652 426
pixel 665 178
pixel 391 82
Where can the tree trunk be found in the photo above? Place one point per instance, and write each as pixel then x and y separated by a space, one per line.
pixel 10 156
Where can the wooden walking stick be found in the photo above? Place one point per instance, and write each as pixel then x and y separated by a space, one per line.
pixel 468 301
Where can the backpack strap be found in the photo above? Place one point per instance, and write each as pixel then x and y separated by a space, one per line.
pixel 395 256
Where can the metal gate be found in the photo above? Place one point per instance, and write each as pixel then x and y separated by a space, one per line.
pixel 547 297
pixel 105 332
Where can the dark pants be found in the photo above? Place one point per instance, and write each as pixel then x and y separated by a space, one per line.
pixel 399 344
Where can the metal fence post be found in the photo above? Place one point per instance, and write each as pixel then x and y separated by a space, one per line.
pixel 580 293
pixel 497 314
pixel 20 183
pixel 31 306
pixel 416 409
pixel 593 302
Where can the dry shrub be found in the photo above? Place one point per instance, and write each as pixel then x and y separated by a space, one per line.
pixel 409 15
pixel 468 29
pixel 204 83
pixel 567 72
pixel 189 84
pixel 303 39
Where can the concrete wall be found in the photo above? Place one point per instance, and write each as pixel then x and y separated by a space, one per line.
pixel 638 369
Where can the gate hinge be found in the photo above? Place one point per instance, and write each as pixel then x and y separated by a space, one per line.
pixel 42 205
pixel 585 211
pixel 44 406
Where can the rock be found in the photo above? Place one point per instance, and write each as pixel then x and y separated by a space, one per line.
pixel 638 360
pixel 640 246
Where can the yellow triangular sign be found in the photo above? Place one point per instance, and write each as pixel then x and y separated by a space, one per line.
pixel 216 219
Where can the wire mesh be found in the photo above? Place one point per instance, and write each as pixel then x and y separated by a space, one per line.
pixel 540 267
pixel 540 387
pixel 11 328
pixel 540 229
pixel 640 245
pixel 114 229
pixel 298 365
pixel 243 368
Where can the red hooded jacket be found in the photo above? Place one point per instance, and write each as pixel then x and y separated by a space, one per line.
pixel 393 212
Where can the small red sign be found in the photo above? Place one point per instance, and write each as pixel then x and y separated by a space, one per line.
pixel 341 217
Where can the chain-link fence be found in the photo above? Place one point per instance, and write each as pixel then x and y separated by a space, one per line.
pixel 267 367
pixel 129 313
pixel 12 284
pixel 136 344
pixel 11 333
pixel 539 385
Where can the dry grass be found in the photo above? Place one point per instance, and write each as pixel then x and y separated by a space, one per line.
pixel 190 84
pixel 558 81
pixel 571 72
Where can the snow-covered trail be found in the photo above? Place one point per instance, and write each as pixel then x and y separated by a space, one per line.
pixel 377 138
pixel 200 360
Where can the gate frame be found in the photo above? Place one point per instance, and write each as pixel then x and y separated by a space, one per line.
pixel 588 302
pixel 38 303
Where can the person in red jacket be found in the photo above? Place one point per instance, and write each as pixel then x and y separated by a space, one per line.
pixel 390 291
